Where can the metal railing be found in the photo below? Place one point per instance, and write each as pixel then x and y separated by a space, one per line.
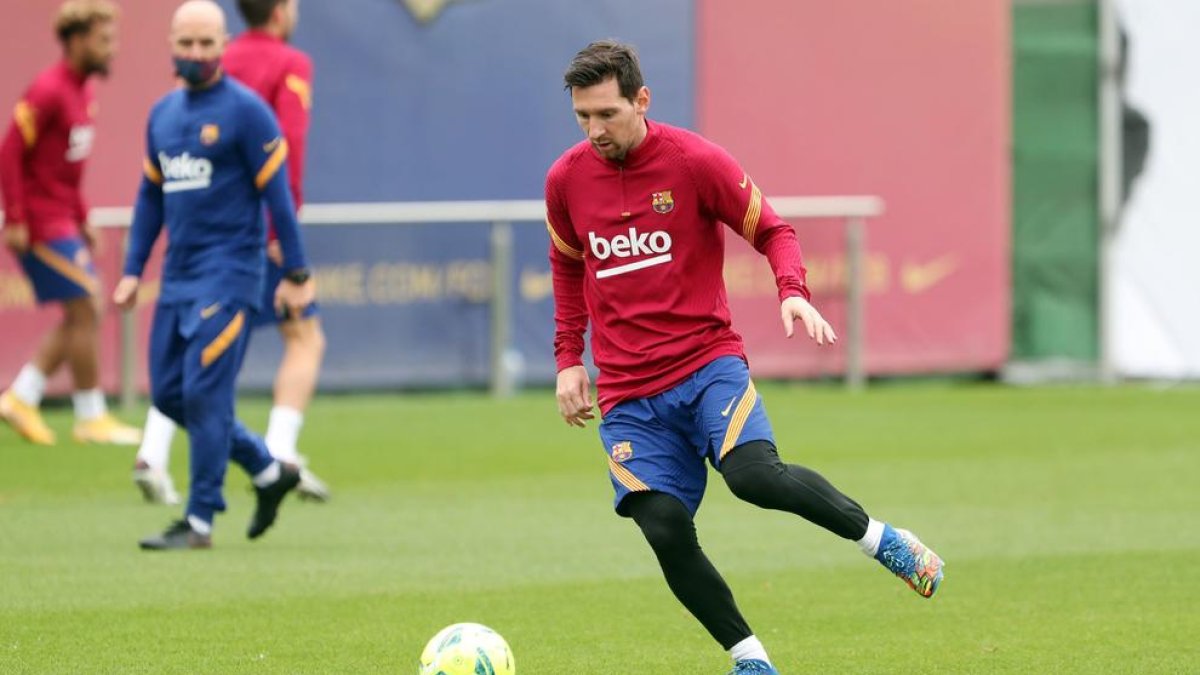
pixel 853 210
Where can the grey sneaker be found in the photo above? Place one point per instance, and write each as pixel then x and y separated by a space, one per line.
pixel 311 488
pixel 156 484
pixel 178 536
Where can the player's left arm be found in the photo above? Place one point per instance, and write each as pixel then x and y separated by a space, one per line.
pixel 734 198
pixel 293 107
pixel 265 152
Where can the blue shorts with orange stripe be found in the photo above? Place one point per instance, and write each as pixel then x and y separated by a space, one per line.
pixel 661 443
pixel 60 270
pixel 266 310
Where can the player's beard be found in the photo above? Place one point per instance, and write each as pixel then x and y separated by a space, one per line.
pixel 612 150
pixel 97 67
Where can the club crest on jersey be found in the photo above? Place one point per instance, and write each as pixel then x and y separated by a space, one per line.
pixel 662 202
pixel 209 134
pixel 622 451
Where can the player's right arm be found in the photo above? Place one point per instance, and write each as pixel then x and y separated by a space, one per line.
pixel 573 390
pixel 31 116
pixel 148 216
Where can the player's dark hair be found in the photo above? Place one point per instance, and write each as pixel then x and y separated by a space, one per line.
pixel 257 13
pixel 76 17
pixel 603 59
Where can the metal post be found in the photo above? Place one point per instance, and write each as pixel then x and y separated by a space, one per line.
pixel 1110 169
pixel 856 378
pixel 502 384
pixel 128 337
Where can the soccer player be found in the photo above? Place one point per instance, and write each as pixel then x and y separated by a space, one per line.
pixel 637 247
pixel 262 59
pixel 214 155
pixel 46 223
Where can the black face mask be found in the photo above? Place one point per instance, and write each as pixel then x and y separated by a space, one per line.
pixel 196 71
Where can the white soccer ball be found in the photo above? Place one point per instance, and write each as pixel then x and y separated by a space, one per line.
pixel 467 649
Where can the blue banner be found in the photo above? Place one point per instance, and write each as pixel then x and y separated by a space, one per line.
pixel 417 100
pixel 422 100
pixel 410 306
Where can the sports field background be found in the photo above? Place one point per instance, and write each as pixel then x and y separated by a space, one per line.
pixel 1067 518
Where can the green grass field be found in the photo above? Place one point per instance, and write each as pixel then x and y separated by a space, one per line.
pixel 1068 519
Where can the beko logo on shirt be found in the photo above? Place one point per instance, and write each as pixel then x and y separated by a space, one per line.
pixel 79 143
pixel 634 244
pixel 185 172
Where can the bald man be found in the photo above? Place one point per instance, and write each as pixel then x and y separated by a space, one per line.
pixel 214 157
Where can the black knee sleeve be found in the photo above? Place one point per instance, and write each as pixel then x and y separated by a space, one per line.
pixel 665 522
pixel 754 473
pixel 668 527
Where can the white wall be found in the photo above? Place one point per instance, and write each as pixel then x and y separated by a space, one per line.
pixel 1154 317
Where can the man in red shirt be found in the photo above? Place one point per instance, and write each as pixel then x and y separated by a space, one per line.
pixel 635 217
pixel 45 223
pixel 262 59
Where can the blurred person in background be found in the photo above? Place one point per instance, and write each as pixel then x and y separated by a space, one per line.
pixel 42 158
pixel 214 157
pixel 262 59
pixel 637 248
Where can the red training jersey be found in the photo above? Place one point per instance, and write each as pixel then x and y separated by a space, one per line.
pixel 43 154
pixel 282 76
pixel 638 248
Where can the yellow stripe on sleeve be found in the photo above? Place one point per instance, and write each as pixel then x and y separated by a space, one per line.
pixel 26 118
pixel 152 171
pixel 625 477
pixel 300 88
pixel 272 166
pixel 738 420
pixel 562 246
pixel 217 347
pixel 55 261
pixel 753 212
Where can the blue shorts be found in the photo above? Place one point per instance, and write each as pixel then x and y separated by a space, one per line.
pixel 661 443
pixel 60 270
pixel 266 310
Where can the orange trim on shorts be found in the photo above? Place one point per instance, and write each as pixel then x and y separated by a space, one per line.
pixel 625 477
pixel 55 261
pixel 738 420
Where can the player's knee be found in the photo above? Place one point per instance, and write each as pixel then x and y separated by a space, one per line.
pixel 664 521
pixel 751 469
pixel 80 315
pixel 305 335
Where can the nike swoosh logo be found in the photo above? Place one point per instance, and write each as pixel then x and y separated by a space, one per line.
pixel 918 278
pixel 209 311
pixel 745 180
pixel 270 147
pixel 725 412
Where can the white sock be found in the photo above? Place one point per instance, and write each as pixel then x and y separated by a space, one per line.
pixel 30 385
pixel 870 541
pixel 199 526
pixel 750 648
pixel 89 404
pixel 266 476
pixel 156 439
pixel 283 429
